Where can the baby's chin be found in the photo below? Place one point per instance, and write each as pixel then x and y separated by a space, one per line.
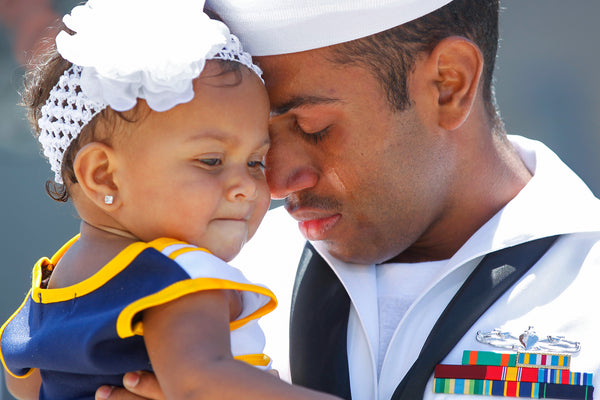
pixel 226 250
pixel 229 253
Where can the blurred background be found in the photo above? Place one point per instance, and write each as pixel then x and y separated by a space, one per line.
pixel 547 88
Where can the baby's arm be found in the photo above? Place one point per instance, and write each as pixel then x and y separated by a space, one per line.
pixel 24 388
pixel 189 347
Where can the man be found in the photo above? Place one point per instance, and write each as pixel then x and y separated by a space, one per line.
pixel 390 154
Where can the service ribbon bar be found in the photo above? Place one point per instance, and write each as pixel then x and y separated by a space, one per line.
pixel 526 374
pixel 543 360
pixel 530 390
pixel 513 374
pixel 489 358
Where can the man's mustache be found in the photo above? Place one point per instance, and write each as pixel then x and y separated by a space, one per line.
pixel 312 201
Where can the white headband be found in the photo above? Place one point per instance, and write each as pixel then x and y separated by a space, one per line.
pixel 124 50
pixel 270 27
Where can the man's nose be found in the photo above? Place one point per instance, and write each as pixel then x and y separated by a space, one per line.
pixel 289 168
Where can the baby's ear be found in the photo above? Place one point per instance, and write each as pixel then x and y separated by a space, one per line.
pixel 94 168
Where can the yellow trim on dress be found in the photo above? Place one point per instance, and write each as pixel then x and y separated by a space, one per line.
pixel 105 274
pixel 112 268
pixel 125 327
pixel 187 249
pixel 58 255
pixel 172 292
pixel 30 371
pixel 259 360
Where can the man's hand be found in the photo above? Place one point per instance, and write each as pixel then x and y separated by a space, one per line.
pixel 138 386
pixel 141 385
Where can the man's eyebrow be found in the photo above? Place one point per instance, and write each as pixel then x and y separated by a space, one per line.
pixel 301 101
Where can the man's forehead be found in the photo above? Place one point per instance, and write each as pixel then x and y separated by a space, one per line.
pixel 302 80
pixel 271 27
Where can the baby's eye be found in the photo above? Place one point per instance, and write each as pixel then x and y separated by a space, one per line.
pixel 211 162
pixel 256 164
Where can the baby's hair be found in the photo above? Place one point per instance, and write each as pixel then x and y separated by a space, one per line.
pixel 39 80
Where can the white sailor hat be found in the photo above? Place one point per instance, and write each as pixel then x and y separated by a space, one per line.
pixel 270 27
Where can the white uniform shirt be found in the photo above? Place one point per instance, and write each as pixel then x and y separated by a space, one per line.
pixel 556 296
pixel 398 286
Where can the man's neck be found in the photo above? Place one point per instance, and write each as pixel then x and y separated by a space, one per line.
pixel 492 176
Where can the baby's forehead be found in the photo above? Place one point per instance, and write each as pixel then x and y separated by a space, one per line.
pixel 230 113
pixel 224 73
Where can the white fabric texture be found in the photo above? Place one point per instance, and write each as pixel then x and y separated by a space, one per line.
pixel 398 286
pixel 270 27
pixel 152 51
pixel 557 296
pixel 65 113
pixel 248 338
pixel 200 264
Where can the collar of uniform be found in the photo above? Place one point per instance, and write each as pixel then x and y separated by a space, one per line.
pixel 554 202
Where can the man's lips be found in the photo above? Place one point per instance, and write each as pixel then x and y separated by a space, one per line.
pixel 317 228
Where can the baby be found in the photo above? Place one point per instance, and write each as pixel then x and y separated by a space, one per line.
pixel 155 123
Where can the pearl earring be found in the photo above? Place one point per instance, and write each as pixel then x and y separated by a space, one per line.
pixel 108 199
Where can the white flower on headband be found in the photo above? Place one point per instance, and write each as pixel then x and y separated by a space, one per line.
pixel 149 49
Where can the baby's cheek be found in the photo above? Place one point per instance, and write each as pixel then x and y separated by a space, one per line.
pixel 262 206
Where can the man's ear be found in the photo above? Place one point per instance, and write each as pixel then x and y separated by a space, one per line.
pixel 459 64
pixel 94 168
